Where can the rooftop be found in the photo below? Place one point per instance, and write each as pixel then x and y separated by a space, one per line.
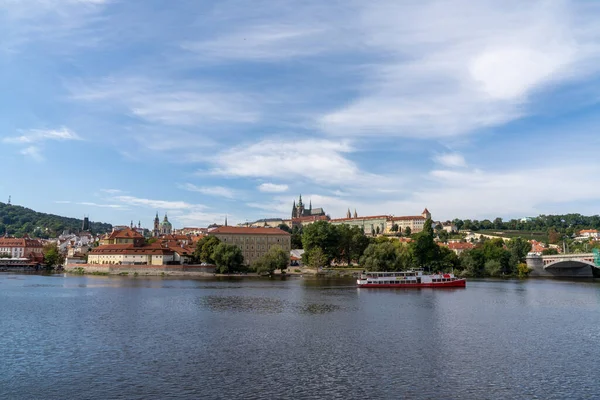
pixel 239 230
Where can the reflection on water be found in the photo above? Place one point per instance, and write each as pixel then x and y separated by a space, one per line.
pixel 150 338
pixel 262 305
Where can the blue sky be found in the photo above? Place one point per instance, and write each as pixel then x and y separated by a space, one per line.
pixel 118 109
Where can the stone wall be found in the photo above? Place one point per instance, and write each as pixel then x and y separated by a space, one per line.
pixel 142 269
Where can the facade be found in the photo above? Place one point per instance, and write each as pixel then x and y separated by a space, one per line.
pixel 254 242
pixel 414 222
pixel 384 223
pixel 25 247
pixel 128 254
pixel 369 225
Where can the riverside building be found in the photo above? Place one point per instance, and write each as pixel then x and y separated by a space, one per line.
pixel 254 242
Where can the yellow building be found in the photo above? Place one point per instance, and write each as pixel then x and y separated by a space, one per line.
pixel 384 223
pixel 254 242
pixel 414 222
pixel 124 236
pixel 127 254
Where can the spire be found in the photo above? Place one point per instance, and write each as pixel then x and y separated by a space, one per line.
pixel 348 215
pixel 140 224
pixel 310 204
pixel 355 213
pixel 166 219
pixel 226 220
pixel 300 201
pixel 131 225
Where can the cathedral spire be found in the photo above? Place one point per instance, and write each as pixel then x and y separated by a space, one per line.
pixel 348 215
pixel 310 204
pixel 355 213
pixel 226 220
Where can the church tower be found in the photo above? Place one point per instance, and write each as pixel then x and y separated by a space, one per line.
pixel 156 230
pixel 348 214
pixel 300 208
pixel 294 210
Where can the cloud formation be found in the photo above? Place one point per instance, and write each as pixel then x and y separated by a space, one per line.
pixel 272 188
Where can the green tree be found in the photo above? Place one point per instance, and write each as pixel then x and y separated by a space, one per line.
pixel 518 248
pixel 459 224
pixel 381 257
pixel 296 238
pixel 228 258
pixel 549 251
pixel 205 249
pixel 407 231
pixel 285 227
pixel 493 268
pixel 315 258
pixel 52 256
pixel 394 227
pixel 473 262
pixel 352 242
pixel 324 235
pixel 275 258
pixel 425 250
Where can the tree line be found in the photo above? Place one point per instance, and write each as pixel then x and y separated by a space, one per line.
pixel 326 244
pixel 567 224
pixel 19 221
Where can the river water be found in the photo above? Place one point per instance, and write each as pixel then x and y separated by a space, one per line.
pixel 71 337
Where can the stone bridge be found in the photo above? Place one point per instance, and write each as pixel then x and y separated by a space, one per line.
pixel 582 265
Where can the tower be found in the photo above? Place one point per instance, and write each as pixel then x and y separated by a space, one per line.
pixel 85 226
pixel 294 210
pixel 226 220
pixel 156 230
pixel 300 208
pixel 355 213
pixel 348 215
pixel 426 214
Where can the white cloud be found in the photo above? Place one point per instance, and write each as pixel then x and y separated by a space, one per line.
pixel 260 43
pixel 321 161
pixel 450 160
pixel 91 204
pixel 272 188
pixel 111 191
pixel 218 191
pixel 447 73
pixel 27 21
pixel 176 103
pixel 40 135
pixel 156 204
pixel 33 152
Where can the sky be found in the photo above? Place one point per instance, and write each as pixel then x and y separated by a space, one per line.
pixel 119 109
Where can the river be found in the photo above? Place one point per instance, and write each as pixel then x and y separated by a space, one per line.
pixel 96 337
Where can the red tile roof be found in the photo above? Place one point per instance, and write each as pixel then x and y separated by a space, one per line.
pixel 130 249
pixel 126 233
pixel 461 246
pixel 239 230
pixel 408 218
pixel 361 218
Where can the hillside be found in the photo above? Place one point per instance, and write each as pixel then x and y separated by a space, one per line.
pixel 17 220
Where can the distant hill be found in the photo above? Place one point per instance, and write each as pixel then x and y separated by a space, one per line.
pixel 17 221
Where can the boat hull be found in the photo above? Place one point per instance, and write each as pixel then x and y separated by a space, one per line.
pixel 459 283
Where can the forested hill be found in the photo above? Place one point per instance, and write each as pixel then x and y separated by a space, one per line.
pixel 17 221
